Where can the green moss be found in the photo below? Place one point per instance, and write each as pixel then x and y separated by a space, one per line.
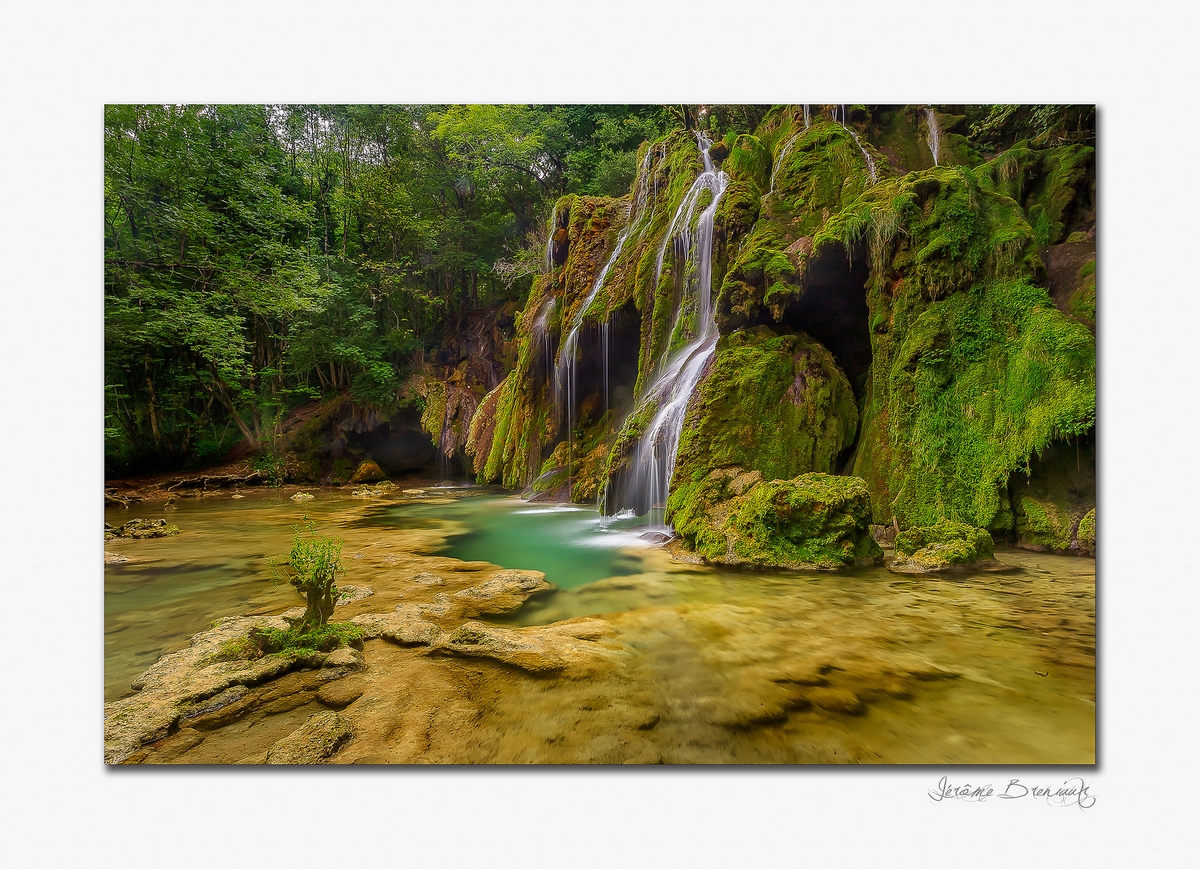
pixel 343 470
pixel 290 643
pixel 943 544
pixel 1043 525
pixel 434 393
pixel 749 161
pixel 973 369
pixel 776 404
pixel 1087 532
pixel 1047 183
pixel 1082 303
pixel 812 521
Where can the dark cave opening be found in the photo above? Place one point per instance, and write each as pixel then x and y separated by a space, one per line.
pixel 833 309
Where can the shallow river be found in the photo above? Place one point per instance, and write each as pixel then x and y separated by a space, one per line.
pixel 985 668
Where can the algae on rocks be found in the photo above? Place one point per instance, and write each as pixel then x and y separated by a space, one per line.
pixel 813 521
pixel 943 546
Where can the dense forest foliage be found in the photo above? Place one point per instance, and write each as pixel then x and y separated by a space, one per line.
pixel 258 256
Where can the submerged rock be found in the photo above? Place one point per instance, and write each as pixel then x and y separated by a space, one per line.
pixel 302 496
pixel 315 741
pixel 943 546
pixel 814 521
pixel 502 593
pixel 115 557
pixel 140 529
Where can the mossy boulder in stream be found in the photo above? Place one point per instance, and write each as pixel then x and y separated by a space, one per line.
pixel 776 404
pixel 945 545
pixel 813 521
pixel 368 472
pixel 140 529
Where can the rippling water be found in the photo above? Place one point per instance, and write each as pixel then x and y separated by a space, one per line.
pixel 986 668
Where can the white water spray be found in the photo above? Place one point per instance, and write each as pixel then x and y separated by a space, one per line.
pixel 565 365
pixel 653 462
pixel 934 144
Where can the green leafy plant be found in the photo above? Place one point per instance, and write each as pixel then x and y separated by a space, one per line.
pixel 311 567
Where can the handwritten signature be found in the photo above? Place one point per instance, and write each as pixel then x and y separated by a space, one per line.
pixel 1072 792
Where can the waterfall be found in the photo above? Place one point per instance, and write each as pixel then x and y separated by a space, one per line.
pixel 565 364
pixel 550 239
pixel 870 161
pixel 933 133
pixel 653 460
pixel 806 121
pixel 783 153
pixel 541 336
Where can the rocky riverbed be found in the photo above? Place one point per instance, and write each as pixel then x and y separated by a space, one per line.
pixel 466 662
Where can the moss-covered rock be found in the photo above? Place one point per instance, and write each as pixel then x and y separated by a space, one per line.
pixel 748 161
pixel 776 404
pixel 814 521
pixel 943 546
pixel 1043 526
pixel 140 529
pixel 368 472
pixel 1086 534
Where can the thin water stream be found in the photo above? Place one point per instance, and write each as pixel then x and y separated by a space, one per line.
pixel 980 668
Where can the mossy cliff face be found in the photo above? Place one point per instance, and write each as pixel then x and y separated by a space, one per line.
pixel 928 328
pixel 814 521
pixel 973 369
pixel 775 404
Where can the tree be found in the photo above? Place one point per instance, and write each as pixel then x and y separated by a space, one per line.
pixel 311 567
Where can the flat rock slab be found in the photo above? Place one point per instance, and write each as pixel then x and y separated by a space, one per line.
pixel 179 683
pixel 315 741
pixel 406 626
pixel 546 649
pixel 502 593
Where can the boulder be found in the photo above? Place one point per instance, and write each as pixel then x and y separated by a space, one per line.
pixel 345 658
pixel 813 521
pixel 405 626
pixel 315 741
pixel 943 546
pixel 368 472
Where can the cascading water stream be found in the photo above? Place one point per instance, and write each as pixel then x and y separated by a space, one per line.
pixel 565 364
pixel 541 335
pixel 931 120
pixel 550 239
pixel 653 462
pixel 869 159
